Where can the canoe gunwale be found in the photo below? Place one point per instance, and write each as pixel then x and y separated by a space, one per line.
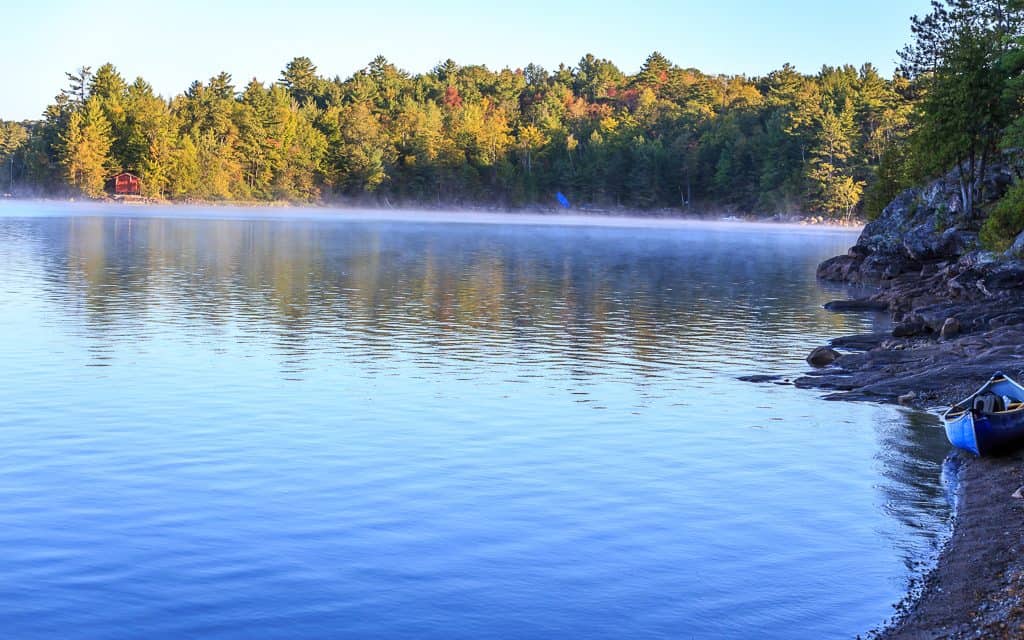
pixel 987 433
pixel 958 410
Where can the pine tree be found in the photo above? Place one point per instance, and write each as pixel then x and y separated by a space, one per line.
pixel 300 79
pixel 956 58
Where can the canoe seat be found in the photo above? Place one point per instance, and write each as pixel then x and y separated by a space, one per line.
pixel 989 403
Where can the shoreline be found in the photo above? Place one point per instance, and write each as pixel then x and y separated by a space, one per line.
pixel 975 588
pixel 403 210
pixel 956 320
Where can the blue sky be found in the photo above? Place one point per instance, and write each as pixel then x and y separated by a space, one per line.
pixel 173 42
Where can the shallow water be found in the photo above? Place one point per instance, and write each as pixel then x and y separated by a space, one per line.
pixel 258 424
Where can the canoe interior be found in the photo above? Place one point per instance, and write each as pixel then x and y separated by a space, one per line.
pixel 986 433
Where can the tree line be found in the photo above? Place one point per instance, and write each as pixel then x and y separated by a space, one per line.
pixel 666 136
pixel 842 141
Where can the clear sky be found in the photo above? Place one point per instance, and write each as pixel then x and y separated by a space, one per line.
pixel 173 42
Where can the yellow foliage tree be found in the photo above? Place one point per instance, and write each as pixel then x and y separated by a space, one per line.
pixel 86 142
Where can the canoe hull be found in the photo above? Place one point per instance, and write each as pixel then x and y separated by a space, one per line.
pixel 987 434
pixel 960 433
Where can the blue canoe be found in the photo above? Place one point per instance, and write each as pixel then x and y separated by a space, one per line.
pixel 989 421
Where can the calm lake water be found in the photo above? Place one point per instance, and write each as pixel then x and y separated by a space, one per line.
pixel 258 424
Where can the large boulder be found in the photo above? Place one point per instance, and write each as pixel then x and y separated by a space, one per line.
pixel 925 243
pixel 923 224
pixel 1016 250
pixel 950 328
pixel 920 226
pixel 840 268
pixel 822 357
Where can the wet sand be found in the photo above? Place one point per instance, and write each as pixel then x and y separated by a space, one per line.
pixel 977 588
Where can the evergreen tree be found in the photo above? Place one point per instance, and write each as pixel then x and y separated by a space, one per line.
pixel 956 59
pixel 300 79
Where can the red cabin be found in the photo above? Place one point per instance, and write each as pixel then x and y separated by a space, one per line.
pixel 125 184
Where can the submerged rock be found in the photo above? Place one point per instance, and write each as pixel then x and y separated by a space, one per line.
pixel 760 378
pixel 862 304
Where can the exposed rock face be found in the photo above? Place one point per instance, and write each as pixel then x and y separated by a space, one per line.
pixel 958 311
pixel 920 226
pixel 860 341
pixel 975 304
pixel 959 315
pixel 910 328
pixel 1016 250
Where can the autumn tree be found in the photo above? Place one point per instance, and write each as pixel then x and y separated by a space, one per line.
pixel 86 149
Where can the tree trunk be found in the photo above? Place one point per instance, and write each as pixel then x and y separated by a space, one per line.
pixel 965 196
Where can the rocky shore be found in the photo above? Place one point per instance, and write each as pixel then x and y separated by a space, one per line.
pixel 958 317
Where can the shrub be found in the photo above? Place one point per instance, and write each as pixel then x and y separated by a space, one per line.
pixel 1005 220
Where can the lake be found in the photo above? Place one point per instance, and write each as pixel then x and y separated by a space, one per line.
pixel 232 423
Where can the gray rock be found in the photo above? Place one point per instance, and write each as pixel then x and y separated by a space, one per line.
pixel 760 378
pixel 840 268
pixel 920 225
pixel 1005 276
pixel 907 398
pixel 822 357
pixel 862 304
pixel 1016 250
pixel 909 329
pixel 860 341
pixel 950 328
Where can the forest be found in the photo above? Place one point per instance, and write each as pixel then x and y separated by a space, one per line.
pixel 841 142
pixel 665 137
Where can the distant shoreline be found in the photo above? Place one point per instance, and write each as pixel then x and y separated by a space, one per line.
pixel 454 213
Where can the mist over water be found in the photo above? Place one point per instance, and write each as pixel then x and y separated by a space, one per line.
pixel 236 423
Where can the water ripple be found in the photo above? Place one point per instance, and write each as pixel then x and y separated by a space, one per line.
pixel 233 426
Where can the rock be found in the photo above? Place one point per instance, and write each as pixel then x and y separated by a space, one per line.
pixel 1005 276
pixel 860 341
pixel 1018 493
pixel 862 304
pixel 822 357
pixel 907 398
pixel 1016 250
pixel 950 328
pixel 909 329
pixel 759 378
pixel 1006 320
pixel 840 268
pixel 920 226
pixel 857 251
